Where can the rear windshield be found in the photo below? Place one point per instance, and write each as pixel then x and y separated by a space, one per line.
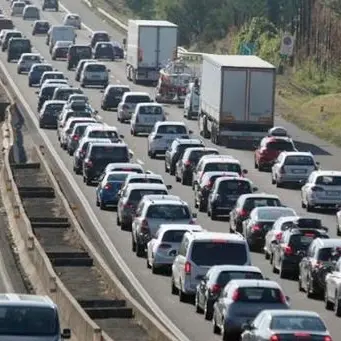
pixel 296 160
pixel 222 167
pixel 104 46
pixel 306 222
pixel 54 76
pixel 146 180
pixel 260 295
pixel 31 11
pixel 329 180
pixel 101 134
pixel 209 253
pixel 117 177
pixel 54 108
pixel 137 99
pixel 13 35
pixel 172 129
pixel 137 194
pixel 80 130
pixel 99 152
pixel 42 68
pixel 18 43
pixel 182 147
pixel 251 203
pixel 32 58
pixel 127 169
pixel 302 241
pixel 64 94
pixel 168 212
pixel 234 187
pixel 81 49
pixel 19 4
pixel 196 155
pixel 96 68
pixel 150 110
pixel 295 322
pixel 77 114
pixel 173 236
pixel 42 24
pixel 227 276
pixel 274 214
pixel 280 145
pixel 326 254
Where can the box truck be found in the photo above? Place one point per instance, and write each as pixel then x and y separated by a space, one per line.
pixel 151 44
pixel 237 99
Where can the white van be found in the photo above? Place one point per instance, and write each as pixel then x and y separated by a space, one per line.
pixel 192 100
pixel 60 33
pixel 200 251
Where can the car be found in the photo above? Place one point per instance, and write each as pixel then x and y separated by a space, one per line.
pixel 130 167
pixel 248 295
pixel 112 96
pixel 118 49
pixel 72 19
pixel 153 211
pixel 293 168
pixel 291 248
pixel 17 47
pixel 203 188
pixel 78 97
pixel 99 155
pixel 269 149
pixel 163 247
pixel 40 27
pixel 31 12
pixel 126 107
pixel 94 74
pixel 55 81
pixel 140 178
pixel 163 135
pixel 51 75
pixel 8 35
pixel 103 131
pixel 332 294
pixel 60 50
pixel 98 36
pixel 322 189
pixel 36 72
pixel 260 221
pixel 216 278
pixel 81 151
pixel 278 131
pixel 200 251
pixel 17 8
pixel 48 115
pixel 292 324
pixel 78 104
pixel 187 163
pixel 27 60
pixel 65 91
pixel 104 51
pixel 216 163
pixel 80 67
pixel 50 4
pixel 246 203
pixel 45 94
pixel 177 149
pixel 108 189
pixel 321 253
pixel 2 34
pixel 77 52
pixel 6 24
pixel 224 194
pixel 130 198
pixel 145 116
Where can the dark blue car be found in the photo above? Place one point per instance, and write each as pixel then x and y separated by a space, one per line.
pixel 119 51
pixel 36 72
pixel 107 190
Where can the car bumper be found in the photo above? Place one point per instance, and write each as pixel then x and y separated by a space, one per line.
pixel 222 210
pixel 140 128
pixel 158 147
pixel 92 174
pixel 48 122
pixel 162 260
pixel 109 199
pixel 297 178
pixel 95 81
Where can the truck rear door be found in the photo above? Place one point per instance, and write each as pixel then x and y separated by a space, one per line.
pixel 167 44
pixel 148 46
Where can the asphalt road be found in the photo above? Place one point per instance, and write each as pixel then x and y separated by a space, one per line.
pixel 158 287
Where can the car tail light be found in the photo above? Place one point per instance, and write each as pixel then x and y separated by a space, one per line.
pixel 317 189
pixel 317 265
pixel 255 228
pixel 209 185
pixel 264 151
pixel 279 236
pixel 107 186
pixel 75 137
pixel 327 338
pixel 236 295
pixel 275 338
pixel 282 170
pixel 242 213
pixel 165 246
pixel 282 298
pixel 188 267
pixel 215 289
pixel 89 164
pixel 144 226
pixel 187 163
pixel 288 250
pixel 192 222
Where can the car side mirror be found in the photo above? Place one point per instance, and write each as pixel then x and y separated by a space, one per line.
pixel 109 70
pixel 66 334
pixel 168 186
pixel 121 136
pixel 131 154
pixel 102 91
pixel 247 326
pixel 119 193
pixel 195 215
pixel 255 189
pixel 267 278
pixel 325 228
pixel 244 171
pixel 124 41
pixel 36 92
pixel 287 298
pixel 96 111
pixel 190 132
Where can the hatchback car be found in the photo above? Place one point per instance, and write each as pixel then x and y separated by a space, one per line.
pixel 16 47
pixel 80 67
pixel 104 51
pixel 45 94
pixel 27 60
pixel 40 27
pixel 75 136
pixel 60 50
pixel 51 75
pixel 112 96
pixel 64 92
pixel 76 53
pixel 50 4
pixel 31 12
pixel 9 34
pixel 94 74
pixel 72 19
pixel 48 115
pixel 36 72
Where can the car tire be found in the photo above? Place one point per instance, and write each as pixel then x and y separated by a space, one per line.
pixel 171 169
pixel 255 164
pixel 174 289
pixel 198 309
pixel 213 214
pixel 97 202
pixel 282 273
pixel 133 244
pixel 337 308
pixel 147 263
pixel 216 329
pixel 310 208
pixel 155 270
pixel 139 250
pixel 266 255
pixel 184 181
pixel 327 304
pixel 102 206
pixel 118 223
pixel 182 296
pixel 87 181
pixel 338 231
pixel 166 168
pixel 208 313
pixel 201 207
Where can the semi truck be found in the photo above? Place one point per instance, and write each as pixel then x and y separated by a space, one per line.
pixel 237 99
pixel 151 44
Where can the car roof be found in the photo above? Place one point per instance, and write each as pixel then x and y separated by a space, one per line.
pixel 220 159
pixel 120 86
pixel 54 101
pixel 145 176
pixel 31 6
pixel 96 62
pixel 297 153
pixel 155 199
pixel 220 173
pixel 179 227
pixel 259 195
pixel 331 242
pixel 139 105
pixel 245 283
pixel 282 220
pixel 123 164
pixel 95 140
pixel 327 173
pixel 102 127
pixel 26 300
pixel 145 185
pixel 96 32
pixel 27 54
pixel 166 123
pixel 232 178
pixel 290 312
pixel 114 172
pixel 136 93
pixel 112 144
pixel 53 72
pixel 208 235
pixel 63 42
pixel 194 149
pixel 279 208
pixel 277 138
pixel 246 268
pixel 189 141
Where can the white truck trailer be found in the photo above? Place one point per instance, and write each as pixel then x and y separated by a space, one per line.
pixel 237 99
pixel 151 44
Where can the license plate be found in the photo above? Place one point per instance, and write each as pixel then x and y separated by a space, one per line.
pixel 299 171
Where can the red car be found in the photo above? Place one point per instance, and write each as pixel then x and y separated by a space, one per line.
pixel 269 149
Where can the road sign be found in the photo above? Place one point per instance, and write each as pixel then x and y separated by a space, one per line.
pixel 287 45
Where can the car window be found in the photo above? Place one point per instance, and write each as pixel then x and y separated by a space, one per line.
pixel 150 110
pixel 146 180
pixel 196 155
pixel 328 180
pixel 99 134
pixel 299 160
pixel 227 276
pixel 251 203
pixel 172 129
pixel 234 187
pixel 259 295
pixel 137 99
pixel 173 236
pixel 117 177
pixel 222 167
pixel 168 212
pixel 303 240
pixel 112 152
pixel 325 254
pixel 274 214
pixel 280 145
pixel 137 194
pixel 294 322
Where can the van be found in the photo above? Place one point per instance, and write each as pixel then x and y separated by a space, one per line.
pixel 60 33
pixel 198 252
pixel 18 46
pixel 192 100
pixel 76 53
pixel 6 24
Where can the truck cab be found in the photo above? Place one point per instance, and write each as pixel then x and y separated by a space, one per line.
pixel 192 101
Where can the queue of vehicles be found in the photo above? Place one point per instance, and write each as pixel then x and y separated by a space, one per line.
pixel 214 269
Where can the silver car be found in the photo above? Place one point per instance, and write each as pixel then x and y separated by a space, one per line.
pixel 126 107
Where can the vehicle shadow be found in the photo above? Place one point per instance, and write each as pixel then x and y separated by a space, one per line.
pixel 308 147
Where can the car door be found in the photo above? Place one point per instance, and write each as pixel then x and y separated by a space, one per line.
pixel 137 220
pixel 305 188
pixel 196 171
pixel 202 287
pixel 212 193
pixel 282 243
pixel 179 262
pixel 220 306
pixel 169 152
pixel 305 263
pixel 276 166
pixel 233 213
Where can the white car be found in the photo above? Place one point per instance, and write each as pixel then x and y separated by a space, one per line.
pixel 162 249
pixel 27 60
pixel 293 168
pixel 163 134
pixel 146 177
pixel 17 8
pixel 124 167
pixel 73 19
pixel 78 97
pixel 322 189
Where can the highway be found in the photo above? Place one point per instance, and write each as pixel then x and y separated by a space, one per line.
pixel 157 286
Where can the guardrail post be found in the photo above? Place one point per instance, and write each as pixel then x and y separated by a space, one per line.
pixel 8 185
pixel 97 334
pixel 16 210
pixel 30 243
pixel 53 285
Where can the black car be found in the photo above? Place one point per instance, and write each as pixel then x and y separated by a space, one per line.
pixel 99 155
pixel 50 4
pixel 40 27
pixel 99 36
pixel 76 53
pixel 118 49
pixel 8 36
pixel 45 94
pixel 18 46
pixel 291 248
pixel 104 50
pixel 112 96
pixel 48 117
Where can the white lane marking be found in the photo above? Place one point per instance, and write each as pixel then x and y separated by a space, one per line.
pixel 139 161
pixel 88 3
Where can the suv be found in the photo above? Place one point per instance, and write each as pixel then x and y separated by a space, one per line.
pixel 104 50
pixel 80 67
pixel 269 149
pixel 36 72
pixel 9 34
pixel 40 27
pixel 75 136
pixel 200 251
pixel 50 4
pixel 225 193
pixel 18 46
pixel 153 211
pixel 176 150
pixel 99 155
pixel 291 248
pixel 94 73
pixel 98 36
pixel 112 95
pixel 293 167
pixel 186 164
pixel 246 203
pixel 48 115
pixel 76 53
pixel 130 197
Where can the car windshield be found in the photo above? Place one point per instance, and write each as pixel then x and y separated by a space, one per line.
pixel 146 180
pixel 96 68
pixel 82 50
pixel 209 253
pixel 64 94
pixel 251 203
pixel 299 160
pixel 137 194
pixel 42 24
pixel 222 167
pixel 196 155
pixel 227 276
pixel 174 236
pixel 274 214
pixel 112 152
pixel 28 321
pixel 234 187
pixel 328 180
pixel 280 145
pixel 117 177
pixel 259 295
pixel 296 322
pixel 101 134
pixel 168 212
pixel 172 129
pixel 135 99
pixel 150 110
pixel 303 240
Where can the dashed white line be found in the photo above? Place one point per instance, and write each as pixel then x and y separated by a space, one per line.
pixel 139 161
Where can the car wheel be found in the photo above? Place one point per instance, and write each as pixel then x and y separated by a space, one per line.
pixel 198 309
pixel 118 222
pixel 213 214
pixel 182 296
pixel 171 170
pixel 139 250
pixel 147 263
pixel 133 244
pixel 310 208
pixel 216 329
pixel 266 255
pixel 87 181
pixel 97 202
pixel 208 313
pixel 166 168
pixel 155 270
pixel 337 308
pixel 152 155
pixel 282 273
pixel 255 163
pixel 174 289
pixel 327 304
pixel 184 180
